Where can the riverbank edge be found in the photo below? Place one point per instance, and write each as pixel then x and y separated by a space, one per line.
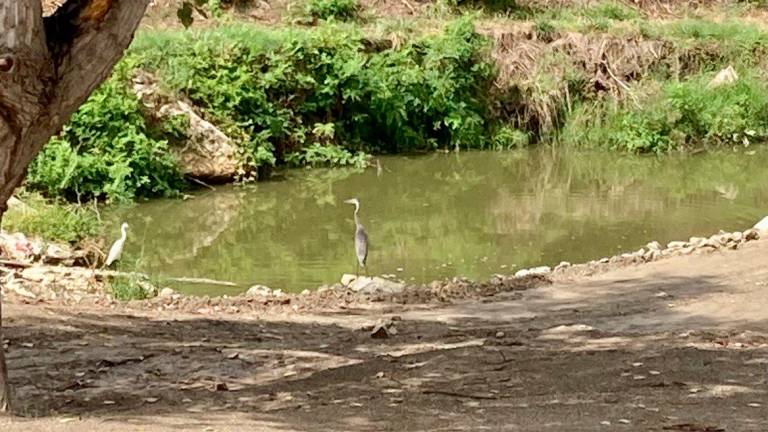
pixel 39 283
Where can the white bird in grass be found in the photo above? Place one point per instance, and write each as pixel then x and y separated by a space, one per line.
pixel 361 237
pixel 117 247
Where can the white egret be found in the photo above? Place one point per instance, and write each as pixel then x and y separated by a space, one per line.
pixel 117 247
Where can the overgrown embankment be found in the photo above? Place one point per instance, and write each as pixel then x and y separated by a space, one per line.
pixel 343 83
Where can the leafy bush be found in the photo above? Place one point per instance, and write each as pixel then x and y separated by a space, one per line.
pixel 333 155
pixel 507 138
pixel 681 115
pixel 271 89
pixel 342 10
pixel 107 151
pixel 52 220
pixel 132 287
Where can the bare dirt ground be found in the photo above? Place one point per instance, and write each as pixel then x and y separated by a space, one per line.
pixel 676 344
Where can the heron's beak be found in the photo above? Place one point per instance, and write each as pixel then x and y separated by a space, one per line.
pixel 349 201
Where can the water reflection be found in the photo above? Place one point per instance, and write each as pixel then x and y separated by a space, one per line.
pixel 472 214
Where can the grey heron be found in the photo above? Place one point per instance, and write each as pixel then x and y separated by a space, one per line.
pixel 361 236
pixel 117 248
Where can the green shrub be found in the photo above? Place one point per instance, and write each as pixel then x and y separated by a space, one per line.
pixel 52 220
pixel 270 90
pixel 107 150
pixel 682 115
pixel 341 10
pixel 326 155
pixel 132 287
pixel 507 138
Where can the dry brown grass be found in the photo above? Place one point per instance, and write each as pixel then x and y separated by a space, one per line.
pixel 538 75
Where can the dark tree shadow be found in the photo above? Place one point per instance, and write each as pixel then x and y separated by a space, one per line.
pixel 608 351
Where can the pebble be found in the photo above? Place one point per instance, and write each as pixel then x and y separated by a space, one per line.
pixel 624 421
pixel 676 244
pixel 500 334
pixel 605 423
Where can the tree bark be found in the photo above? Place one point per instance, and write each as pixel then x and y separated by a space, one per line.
pixel 5 388
pixel 48 68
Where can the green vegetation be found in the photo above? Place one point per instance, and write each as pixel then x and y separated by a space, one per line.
pixel 54 220
pixel 680 115
pixel 132 287
pixel 341 10
pixel 108 150
pixel 283 92
pixel 602 75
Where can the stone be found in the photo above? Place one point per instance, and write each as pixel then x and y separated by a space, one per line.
pixel 55 253
pixel 737 236
pixel 380 331
pixel 724 77
pixel 676 244
pixel 535 271
pixel 166 292
pixel 762 226
pixel 34 274
pixel 562 266
pixel 347 279
pixel 376 285
pixel 721 239
pixel 207 153
pixel 751 234
pixel 697 241
pixel 654 246
pixel 652 255
pixel 259 291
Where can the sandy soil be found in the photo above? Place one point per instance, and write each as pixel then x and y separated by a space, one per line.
pixel 676 344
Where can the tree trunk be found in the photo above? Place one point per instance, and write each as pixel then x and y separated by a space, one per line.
pixel 48 68
pixel 5 389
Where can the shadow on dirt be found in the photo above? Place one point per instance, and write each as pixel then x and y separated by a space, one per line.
pixel 613 351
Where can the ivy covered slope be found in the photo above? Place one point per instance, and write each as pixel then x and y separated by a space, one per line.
pixel 330 82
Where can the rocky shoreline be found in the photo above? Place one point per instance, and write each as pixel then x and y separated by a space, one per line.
pixel 55 275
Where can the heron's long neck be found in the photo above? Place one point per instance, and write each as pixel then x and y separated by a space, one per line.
pixel 124 234
pixel 357 218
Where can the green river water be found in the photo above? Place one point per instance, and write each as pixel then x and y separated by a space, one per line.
pixel 442 215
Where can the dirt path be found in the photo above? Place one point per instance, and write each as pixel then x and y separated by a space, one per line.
pixel 681 341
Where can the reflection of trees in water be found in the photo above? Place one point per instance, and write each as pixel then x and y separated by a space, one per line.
pixel 515 208
pixel 166 231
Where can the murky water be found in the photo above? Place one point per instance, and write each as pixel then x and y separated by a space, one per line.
pixel 443 215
